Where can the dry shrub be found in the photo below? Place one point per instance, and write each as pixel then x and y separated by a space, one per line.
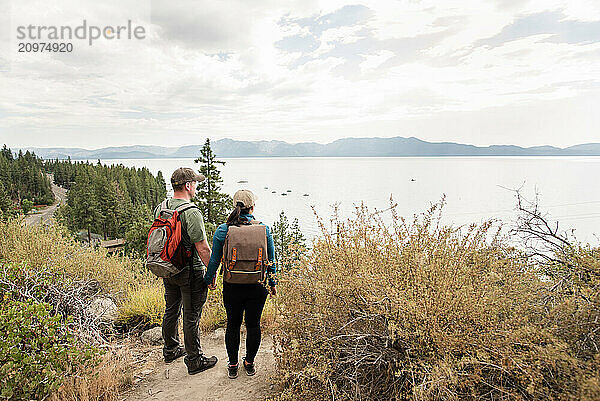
pixel 105 382
pixel 50 247
pixel 420 311
pixel 572 268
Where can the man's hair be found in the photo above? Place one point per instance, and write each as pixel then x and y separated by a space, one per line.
pixel 178 187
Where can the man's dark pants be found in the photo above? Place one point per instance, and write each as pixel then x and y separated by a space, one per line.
pixel 189 290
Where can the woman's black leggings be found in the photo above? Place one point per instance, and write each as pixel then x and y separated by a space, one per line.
pixel 240 298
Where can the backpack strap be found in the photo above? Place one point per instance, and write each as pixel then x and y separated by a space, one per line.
pixel 161 206
pixel 180 209
pixel 186 206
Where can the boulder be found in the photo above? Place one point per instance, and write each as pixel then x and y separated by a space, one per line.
pixel 152 336
pixel 104 310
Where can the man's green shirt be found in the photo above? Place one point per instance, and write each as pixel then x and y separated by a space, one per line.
pixel 192 223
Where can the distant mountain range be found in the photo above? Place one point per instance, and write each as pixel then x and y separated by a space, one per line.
pixel 347 147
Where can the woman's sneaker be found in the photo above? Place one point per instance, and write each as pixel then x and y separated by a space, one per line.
pixel 249 367
pixel 232 370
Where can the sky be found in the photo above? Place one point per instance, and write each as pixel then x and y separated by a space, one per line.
pixel 482 72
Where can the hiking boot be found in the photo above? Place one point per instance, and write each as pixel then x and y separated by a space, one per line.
pixel 178 353
pixel 249 367
pixel 200 364
pixel 232 370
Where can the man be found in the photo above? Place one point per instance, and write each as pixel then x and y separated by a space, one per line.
pixel 187 287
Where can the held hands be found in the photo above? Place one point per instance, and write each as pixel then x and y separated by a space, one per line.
pixel 213 284
pixel 273 291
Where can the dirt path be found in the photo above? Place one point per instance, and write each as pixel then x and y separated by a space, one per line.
pixel 46 214
pixel 172 382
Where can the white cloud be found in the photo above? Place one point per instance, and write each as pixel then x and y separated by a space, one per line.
pixel 378 69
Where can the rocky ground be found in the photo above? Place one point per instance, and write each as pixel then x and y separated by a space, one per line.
pixel 161 381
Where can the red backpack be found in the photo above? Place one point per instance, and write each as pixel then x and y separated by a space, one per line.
pixel 166 255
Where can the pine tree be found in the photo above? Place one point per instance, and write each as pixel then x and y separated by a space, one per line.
pixel 212 202
pixel 297 236
pixel 288 241
pixel 6 204
pixel 85 205
pixel 137 232
pixel 281 236
pixel 7 153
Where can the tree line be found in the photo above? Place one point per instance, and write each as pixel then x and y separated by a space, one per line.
pixel 118 202
pixel 22 182
pixel 108 200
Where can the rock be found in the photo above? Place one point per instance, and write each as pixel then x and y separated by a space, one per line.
pixel 153 336
pixel 104 310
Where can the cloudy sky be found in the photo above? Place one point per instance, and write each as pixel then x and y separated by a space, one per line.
pixel 483 72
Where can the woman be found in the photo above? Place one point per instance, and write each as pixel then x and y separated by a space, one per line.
pixel 242 294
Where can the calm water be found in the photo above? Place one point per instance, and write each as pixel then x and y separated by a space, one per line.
pixel 476 188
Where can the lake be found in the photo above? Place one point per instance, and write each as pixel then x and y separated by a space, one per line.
pixel 476 188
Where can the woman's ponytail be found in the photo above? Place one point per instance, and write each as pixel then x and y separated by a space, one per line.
pixel 234 217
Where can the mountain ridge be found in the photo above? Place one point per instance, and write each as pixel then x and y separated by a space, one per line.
pixel 344 147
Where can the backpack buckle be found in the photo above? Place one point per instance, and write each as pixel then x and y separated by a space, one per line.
pixel 233 258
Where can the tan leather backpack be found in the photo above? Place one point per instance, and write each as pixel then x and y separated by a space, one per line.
pixel 245 257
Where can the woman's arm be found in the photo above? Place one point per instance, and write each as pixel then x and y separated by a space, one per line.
pixel 272 268
pixel 217 253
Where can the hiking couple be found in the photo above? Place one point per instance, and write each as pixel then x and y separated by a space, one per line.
pixel 178 251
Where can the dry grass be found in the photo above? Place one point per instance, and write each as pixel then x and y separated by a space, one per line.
pixel 105 382
pixel 144 306
pixel 213 312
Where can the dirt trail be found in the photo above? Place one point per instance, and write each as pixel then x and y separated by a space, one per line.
pixel 172 382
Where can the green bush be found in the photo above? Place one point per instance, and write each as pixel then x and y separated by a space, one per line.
pixel 26 206
pixel 36 353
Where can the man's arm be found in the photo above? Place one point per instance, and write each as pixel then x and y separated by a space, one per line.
pixel 203 251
